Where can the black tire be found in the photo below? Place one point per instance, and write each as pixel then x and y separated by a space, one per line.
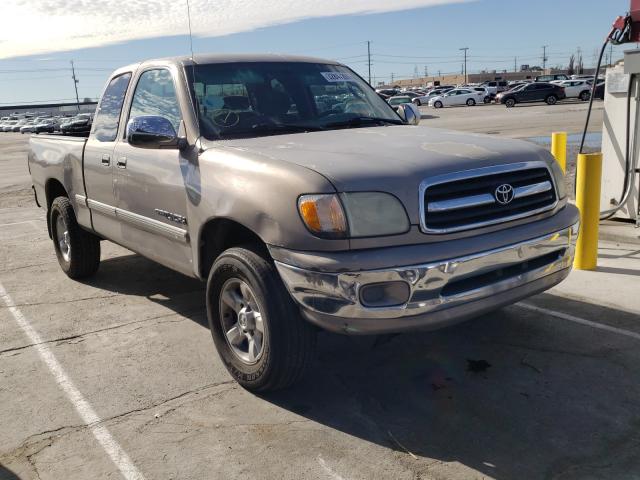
pixel 437 104
pixel 471 102
pixel 551 100
pixel 585 95
pixel 510 102
pixel 83 257
pixel 288 342
pixel 487 99
pixel 417 102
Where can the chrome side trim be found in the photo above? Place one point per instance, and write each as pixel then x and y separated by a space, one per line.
pixel 481 172
pixel 101 207
pixel 152 226
pixel 486 198
pixel 81 200
pixel 337 294
pixel 144 223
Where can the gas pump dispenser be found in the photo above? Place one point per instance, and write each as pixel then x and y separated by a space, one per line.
pixel 621 126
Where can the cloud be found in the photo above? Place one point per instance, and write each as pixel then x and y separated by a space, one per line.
pixel 41 26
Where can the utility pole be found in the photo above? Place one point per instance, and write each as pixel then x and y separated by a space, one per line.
pixel 75 84
pixel 515 64
pixel 544 57
pixel 464 49
pixel 392 79
pixel 426 72
pixel 369 57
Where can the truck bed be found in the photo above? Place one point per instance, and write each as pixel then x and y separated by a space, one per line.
pixel 56 158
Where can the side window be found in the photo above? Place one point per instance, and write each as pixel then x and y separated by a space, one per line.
pixel 105 124
pixel 156 95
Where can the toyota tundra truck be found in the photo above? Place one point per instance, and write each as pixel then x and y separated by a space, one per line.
pixel 303 200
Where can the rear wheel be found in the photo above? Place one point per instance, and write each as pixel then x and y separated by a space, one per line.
pixel 471 102
pixel 257 329
pixel 487 99
pixel 584 96
pixel 78 251
pixel 510 102
pixel 437 104
pixel 551 100
pixel 417 102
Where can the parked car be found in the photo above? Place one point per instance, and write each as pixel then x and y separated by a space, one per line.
pixel 550 78
pixel 487 95
pixel 387 92
pixel 599 93
pixel 16 127
pixel 361 224
pixel 533 92
pixel 495 86
pixel 47 125
pixel 424 100
pixel 29 126
pixel 79 124
pixel 8 125
pixel 577 89
pixel 458 96
pixel 398 100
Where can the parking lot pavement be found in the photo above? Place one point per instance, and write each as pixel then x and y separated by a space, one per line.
pixel 520 393
pixel 526 120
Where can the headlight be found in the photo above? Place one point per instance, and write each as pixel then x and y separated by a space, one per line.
pixel 558 178
pixel 354 215
pixel 323 215
pixel 374 214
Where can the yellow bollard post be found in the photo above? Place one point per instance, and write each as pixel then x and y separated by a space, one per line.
pixel 559 148
pixel 588 178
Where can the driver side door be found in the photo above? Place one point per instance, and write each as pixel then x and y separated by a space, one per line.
pixel 149 183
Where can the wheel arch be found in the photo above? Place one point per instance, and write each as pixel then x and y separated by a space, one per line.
pixel 53 189
pixel 221 233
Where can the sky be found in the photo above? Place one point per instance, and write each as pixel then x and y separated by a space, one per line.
pixel 39 38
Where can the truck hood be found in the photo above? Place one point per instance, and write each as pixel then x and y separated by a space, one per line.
pixel 394 159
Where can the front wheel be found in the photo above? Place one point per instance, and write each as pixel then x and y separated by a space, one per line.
pixel 417 102
pixel 78 251
pixel 471 102
pixel 257 329
pixel 437 104
pixel 551 100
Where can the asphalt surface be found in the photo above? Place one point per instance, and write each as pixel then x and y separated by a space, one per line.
pixel 117 377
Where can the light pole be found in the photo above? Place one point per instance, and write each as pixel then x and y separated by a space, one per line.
pixel 464 49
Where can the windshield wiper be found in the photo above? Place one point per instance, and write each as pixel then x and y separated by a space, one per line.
pixel 283 128
pixel 359 121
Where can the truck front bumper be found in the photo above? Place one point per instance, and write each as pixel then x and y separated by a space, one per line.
pixel 430 295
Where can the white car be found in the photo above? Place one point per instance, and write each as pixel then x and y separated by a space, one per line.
pixel 577 88
pixel 457 96
pixel 424 100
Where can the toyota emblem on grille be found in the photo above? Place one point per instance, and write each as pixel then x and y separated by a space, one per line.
pixel 504 194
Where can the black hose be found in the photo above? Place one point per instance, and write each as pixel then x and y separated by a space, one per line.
pixel 593 93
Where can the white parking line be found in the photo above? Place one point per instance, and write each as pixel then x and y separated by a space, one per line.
pixel 581 321
pixel 128 470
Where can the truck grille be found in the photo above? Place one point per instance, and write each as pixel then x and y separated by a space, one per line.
pixel 484 198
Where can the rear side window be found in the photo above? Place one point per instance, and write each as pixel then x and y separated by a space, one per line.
pixel 105 124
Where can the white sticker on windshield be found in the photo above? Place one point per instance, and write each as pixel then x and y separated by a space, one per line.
pixel 337 77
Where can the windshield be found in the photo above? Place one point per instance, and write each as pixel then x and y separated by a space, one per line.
pixel 248 99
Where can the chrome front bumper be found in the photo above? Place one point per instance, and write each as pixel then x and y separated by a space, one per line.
pixel 440 293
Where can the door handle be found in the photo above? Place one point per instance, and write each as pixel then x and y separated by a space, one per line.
pixel 122 162
pixel 106 160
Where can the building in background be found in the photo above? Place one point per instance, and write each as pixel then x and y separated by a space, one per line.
pixel 62 109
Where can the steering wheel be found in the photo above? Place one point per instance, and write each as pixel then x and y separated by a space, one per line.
pixel 225 118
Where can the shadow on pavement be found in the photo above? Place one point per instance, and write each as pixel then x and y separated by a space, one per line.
pixel 512 394
pixel 6 474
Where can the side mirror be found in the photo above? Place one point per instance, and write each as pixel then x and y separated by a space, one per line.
pixel 410 113
pixel 151 131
